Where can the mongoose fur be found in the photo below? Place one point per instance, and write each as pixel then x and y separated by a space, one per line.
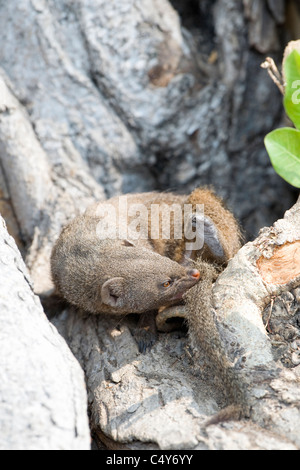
pixel 122 276
pixel 222 235
pixel 203 332
pixel 114 276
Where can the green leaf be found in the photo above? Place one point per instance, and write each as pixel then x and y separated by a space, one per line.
pixel 283 146
pixel 292 89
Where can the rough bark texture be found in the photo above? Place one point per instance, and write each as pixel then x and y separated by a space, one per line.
pixel 42 390
pixel 100 98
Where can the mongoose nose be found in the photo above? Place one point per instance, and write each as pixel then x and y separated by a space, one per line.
pixel 194 273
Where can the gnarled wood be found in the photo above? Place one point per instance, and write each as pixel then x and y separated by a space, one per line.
pixel 99 98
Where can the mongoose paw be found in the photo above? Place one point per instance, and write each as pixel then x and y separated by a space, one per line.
pixel 145 339
pixel 208 232
pixel 146 332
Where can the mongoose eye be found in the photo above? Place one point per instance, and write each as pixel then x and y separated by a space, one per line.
pixel 167 284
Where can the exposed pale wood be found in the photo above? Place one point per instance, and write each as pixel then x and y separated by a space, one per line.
pixel 284 265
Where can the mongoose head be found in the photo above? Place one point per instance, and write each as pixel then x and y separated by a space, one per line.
pixel 110 276
pixel 147 281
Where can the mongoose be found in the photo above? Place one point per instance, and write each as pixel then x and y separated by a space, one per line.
pixel 116 277
pixel 101 266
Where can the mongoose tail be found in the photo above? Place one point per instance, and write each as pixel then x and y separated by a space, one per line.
pixel 204 334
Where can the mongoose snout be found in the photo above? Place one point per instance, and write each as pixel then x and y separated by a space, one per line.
pixel 182 285
pixel 194 273
pixel 193 276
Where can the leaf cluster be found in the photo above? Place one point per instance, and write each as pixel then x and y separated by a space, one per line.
pixel 283 145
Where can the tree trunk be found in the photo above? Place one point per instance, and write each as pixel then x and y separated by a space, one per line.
pixel 101 98
pixel 43 397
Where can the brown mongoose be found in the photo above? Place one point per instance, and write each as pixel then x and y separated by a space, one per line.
pixel 112 261
pixel 116 277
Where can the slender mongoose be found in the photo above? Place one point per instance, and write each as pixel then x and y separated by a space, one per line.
pixel 110 260
pixel 116 277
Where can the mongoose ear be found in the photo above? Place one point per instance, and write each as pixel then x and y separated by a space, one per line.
pixel 207 232
pixel 112 292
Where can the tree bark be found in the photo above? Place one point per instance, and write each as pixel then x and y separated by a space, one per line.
pixel 101 98
pixel 43 396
